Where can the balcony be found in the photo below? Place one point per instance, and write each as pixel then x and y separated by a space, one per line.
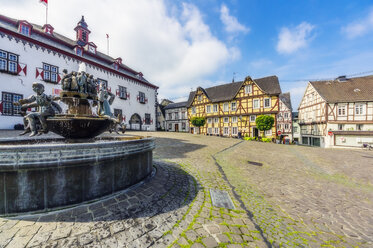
pixel 311 132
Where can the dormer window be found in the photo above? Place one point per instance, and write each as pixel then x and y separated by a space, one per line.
pixel 25 28
pixel 48 29
pixel 91 49
pixel 116 66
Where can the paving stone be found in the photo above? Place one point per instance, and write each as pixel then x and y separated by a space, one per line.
pixel 197 245
pixel 212 229
pixel 191 235
pixel 86 239
pixel 209 242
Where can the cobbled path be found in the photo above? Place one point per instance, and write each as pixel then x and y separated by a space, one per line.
pixel 299 197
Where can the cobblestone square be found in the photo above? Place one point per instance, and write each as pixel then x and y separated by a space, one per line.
pixel 298 197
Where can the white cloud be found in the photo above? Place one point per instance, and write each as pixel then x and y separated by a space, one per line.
pixel 260 63
pixel 173 52
pixel 359 28
pixel 231 24
pixel 291 40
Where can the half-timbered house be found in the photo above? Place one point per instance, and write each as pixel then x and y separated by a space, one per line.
pixel 284 117
pixel 233 108
pixel 337 112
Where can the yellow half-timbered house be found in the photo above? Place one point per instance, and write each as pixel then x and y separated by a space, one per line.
pixel 233 108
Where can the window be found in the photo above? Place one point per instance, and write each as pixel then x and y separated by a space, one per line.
pixel 268 132
pixel 233 106
pixel 170 126
pixel 216 130
pixel 226 130
pixel 193 110
pixel 170 116
pixel 141 97
pixel 200 98
pixel 340 127
pixel 25 30
pixel 177 115
pixel 208 108
pixel 101 81
pixel 216 120
pixel 79 51
pixel 183 125
pixel 359 127
pixel 256 104
pixel 267 102
pixel 295 129
pixel 286 115
pixel 234 130
pixel 50 73
pixel 8 107
pixel 342 110
pixel 225 107
pixel 117 112
pixel 209 130
pixel 84 36
pixel 248 89
pixel 252 118
pixel 183 116
pixel 234 119
pixel 122 92
pixel 209 120
pixel 226 119
pixel 286 126
pixel 147 119
pixel 359 109
pixel 215 108
pixel 8 62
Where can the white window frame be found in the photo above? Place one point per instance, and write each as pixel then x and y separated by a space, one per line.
pixel 208 108
pixel 226 119
pixel 216 130
pixel 215 108
pixel 248 89
pixel 342 110
pixel 234 119
pixel 235 106
pixel 234 130
pixel 209 120
pixel 286 115
pixel 252 118
pixel 226 131
pixel 269 101
pixel 193 110
pixel 258 101
pixel 225 107
pixel 268 132
pixel 286 126
pixel 209 130
pixel 199 98
pixel 359 109
pixel 25 30
pixel 216 120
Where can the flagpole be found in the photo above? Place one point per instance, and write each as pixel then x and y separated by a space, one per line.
pixel 46 14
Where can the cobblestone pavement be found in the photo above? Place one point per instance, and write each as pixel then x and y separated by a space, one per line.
pixel 299 197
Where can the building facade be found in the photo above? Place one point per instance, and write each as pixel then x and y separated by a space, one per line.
pixel 177 117
pixel 337 113
pixel 296 128
pixel 32 53
pixel 161 117
pixel 284 118
pixel 233 108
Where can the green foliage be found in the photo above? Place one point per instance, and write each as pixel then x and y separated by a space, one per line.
pixel 246 135
pixel 268 140
pixel 198 121
pixel 264 122
pixel 249 138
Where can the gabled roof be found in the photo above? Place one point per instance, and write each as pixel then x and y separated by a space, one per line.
pixel 176 105
pixel 358 89
pixel 226 92
pixel 285 98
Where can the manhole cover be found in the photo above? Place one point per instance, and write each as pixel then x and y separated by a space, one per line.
pixel 255 163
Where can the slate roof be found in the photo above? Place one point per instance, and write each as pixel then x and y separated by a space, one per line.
pixel 358 89
pixel 176 105
pixel 285 98
pixel 226 92
pixel 69 45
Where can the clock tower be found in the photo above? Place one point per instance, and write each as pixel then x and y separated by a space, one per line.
pixel 82 32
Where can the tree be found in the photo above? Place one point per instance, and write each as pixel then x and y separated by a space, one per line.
pixel 198 121
pixel 264 122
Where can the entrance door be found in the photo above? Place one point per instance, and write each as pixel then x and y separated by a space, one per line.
pixel 255 132
pixel 135 122
pixel 176 127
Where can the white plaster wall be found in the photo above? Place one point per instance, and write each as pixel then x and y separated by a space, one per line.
pixel 34 58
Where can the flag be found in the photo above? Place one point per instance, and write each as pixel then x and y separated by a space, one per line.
pixel 45 2
pixel 107 36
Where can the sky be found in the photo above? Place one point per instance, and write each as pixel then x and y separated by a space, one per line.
pixel 181 44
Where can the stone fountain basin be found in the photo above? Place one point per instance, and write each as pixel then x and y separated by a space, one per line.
pixel 39 175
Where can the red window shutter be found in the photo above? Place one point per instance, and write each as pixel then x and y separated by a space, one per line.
pixel 117 92
pixel 128 95
pixel 138 98
pixel 124 118
pixel 109 89
pixel 1 107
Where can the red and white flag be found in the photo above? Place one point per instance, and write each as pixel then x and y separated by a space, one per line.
pixel 45 2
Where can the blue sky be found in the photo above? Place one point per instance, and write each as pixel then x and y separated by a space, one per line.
pixel 180 45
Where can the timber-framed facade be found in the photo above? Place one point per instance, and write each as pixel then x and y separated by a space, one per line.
pixel 232 108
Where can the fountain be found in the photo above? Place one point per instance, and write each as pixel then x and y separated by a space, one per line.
pixel 40 174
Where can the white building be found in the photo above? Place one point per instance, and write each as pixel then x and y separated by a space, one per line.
pixel 177 117
pixel 337 113
pixel 31 53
